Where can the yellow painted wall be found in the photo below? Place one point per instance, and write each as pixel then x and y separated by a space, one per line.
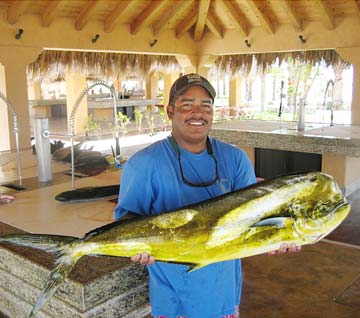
pixel 4 118
pixel 345 170
pixel 62 35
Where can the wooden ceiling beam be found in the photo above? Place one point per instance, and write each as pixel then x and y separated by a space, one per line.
pixel 241 22
pixel 293 16
pixel 358 3
pixel 214 25
pixel 49 13
pixel 85 14
pixel 16 10
pixel 150 10
pixel 262 17
pixel 186 24
pixel 175 8
pixel 325 13
pixel 203 10
pixel 115 15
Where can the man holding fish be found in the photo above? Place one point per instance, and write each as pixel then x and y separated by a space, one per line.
pixel 186 168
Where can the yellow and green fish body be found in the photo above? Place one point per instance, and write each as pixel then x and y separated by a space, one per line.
pixel 298 209
pixel 295 209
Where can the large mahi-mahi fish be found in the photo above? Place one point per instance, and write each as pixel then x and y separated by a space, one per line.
pixel 298 209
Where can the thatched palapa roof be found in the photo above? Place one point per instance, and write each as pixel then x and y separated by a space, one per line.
pixel 243 63
pixel 54 64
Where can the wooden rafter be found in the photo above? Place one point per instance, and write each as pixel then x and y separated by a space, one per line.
pixel 150 10
pixel 293 16
pixel 202 16
pixel 186 24
pixel 15 10
pixel 236 15
pixel 115 15
pixel 325 14
pixel 179 5
pixel 214 26
pixel 85 14
pixel 357 2
pixel 49 13
pixel 263 18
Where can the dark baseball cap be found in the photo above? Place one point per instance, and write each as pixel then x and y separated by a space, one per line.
pixel 187 81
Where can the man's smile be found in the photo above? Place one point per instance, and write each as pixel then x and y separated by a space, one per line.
pixel 196 122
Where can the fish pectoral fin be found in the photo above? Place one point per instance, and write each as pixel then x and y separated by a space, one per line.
pixel 274 223
pixel 278 222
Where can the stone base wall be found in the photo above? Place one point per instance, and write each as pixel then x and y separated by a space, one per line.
pixel 101 287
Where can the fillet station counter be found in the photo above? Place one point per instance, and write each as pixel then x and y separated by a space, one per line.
pixel 339 145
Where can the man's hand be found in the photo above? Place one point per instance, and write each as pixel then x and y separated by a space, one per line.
pixel 286 248
pixel 143 258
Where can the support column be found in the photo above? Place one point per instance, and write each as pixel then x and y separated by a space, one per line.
pixel 14 61
pixel 75 84
pixel 352 55
pixel 169 79
pixel 235 95
pixel 34 93
pixel 203 64
pixel 187 63
pixel 34 90
pixel 152 90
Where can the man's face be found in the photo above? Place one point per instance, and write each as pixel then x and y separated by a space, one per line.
pixel 191 115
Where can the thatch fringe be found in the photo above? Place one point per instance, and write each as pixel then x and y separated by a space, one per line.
pixel 242 64
pixel 53 64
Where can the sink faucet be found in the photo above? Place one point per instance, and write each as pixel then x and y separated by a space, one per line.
pixel 330 82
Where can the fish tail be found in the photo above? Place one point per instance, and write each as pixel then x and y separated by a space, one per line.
pixel 66 258
pixel 65 264
pixel 49 243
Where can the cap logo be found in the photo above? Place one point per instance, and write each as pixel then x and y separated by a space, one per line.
pixel 193 78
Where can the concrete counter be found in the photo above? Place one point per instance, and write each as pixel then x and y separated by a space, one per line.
pixel 340 140
pixel 338 145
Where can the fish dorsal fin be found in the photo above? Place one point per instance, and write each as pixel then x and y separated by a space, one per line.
pixel 173 220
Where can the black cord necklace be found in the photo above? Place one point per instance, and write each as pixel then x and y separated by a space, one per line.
pixel 211 154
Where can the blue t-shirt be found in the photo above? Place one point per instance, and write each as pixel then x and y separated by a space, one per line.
pixel 151 183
